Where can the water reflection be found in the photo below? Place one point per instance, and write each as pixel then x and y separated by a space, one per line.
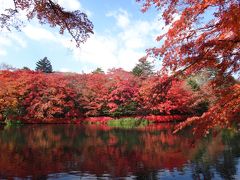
pixel 73 151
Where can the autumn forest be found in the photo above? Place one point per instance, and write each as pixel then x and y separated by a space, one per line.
pixel 44 96
pixel 200 66
pixel 196 89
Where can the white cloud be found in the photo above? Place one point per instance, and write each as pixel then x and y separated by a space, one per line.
pixel 65 70
pixel 5 5
pixel 98 50
pixel 123 49
pixel 18 40
pixel 3 52
pixel 121 16
pixel 67 4
pixel 9 40
pixel 70 5
pixel 5 41
pixel 38 33
pixel 105 50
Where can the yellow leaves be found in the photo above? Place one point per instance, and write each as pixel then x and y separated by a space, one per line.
pixel 15 103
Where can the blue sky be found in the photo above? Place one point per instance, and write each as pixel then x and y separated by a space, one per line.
pixel 121 35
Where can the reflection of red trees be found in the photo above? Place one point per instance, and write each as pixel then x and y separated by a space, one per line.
pixel 32 151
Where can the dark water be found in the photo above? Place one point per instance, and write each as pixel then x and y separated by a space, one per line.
pixel 98 152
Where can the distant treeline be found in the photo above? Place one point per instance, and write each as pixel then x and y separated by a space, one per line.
pixel 38 95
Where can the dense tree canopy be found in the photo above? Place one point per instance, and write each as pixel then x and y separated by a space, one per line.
pixel 206 35
pixel 76 23
pixel 203 35
pixel 40 96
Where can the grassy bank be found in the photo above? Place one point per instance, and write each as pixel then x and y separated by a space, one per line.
pixel 128 123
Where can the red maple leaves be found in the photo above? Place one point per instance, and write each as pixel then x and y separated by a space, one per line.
pixel 203 35
pixel 36 95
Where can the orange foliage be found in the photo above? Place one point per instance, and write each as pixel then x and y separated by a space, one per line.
pixel 203 35
pixel 225 112
pixel 123 89
pixel 39 97
pixel 160 94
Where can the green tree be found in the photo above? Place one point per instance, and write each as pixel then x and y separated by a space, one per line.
pixel 98 71
pixel 143 69
pixel 44 65
pixel 26 68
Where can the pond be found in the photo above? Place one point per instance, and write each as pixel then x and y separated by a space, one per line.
pixel 100 152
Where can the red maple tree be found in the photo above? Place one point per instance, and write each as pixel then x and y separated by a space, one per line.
pixel 203 35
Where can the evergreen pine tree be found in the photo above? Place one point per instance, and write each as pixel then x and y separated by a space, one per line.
pixel 44 65
pixel 98 71
pixel 143 69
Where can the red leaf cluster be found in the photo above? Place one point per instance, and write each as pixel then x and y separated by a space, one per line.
pixel 203 35
pixel 46 97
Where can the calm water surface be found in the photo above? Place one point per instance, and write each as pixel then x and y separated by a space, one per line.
pixel 98 152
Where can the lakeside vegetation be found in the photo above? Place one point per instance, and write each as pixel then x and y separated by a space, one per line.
pixel 128 123
pixel 27 94
pixel 38 97
pixel 199 76
pixel 179 119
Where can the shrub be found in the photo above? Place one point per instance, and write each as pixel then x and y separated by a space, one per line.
pixel 128 123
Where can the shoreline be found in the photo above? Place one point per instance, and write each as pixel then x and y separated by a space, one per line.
pixel 102 120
